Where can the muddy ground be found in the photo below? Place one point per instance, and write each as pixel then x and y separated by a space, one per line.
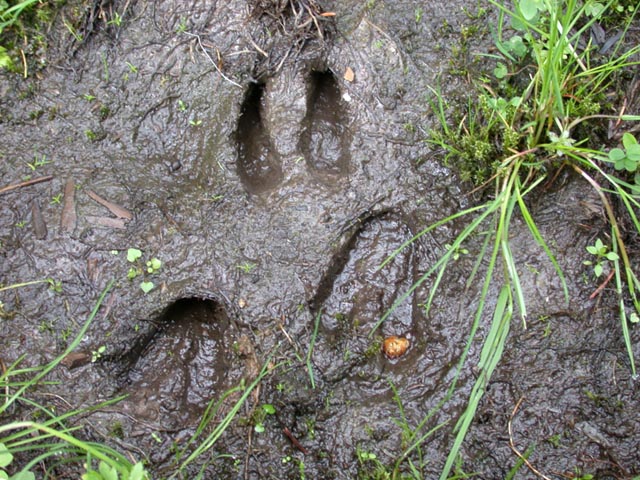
pixel 271 188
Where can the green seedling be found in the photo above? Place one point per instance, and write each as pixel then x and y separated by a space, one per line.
pixel 457 252
pixel 603 256
pixel 116 20
pixel 88 97
pixel 152 267
pixel 97 354
pixel 147 286
pixel 246 267
pixel 38 162
pixel 56 199
pixel 182 106
pixel 195 123
pixel 261 414
pixel 627 158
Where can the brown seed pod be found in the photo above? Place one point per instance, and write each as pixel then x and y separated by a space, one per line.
pixel 394 347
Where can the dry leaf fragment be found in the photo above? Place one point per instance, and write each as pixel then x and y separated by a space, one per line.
pixel 69 218
pixel 117 210
pixel 328 14
pixel 349 76
pixel 118 223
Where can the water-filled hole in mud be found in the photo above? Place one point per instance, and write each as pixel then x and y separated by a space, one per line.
pixel 258 166
pixel 182 366
pixel 326 139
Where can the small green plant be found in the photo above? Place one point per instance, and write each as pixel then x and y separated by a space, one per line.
pixel 603 256
pixel 97 354
pixel 246 267
pixel 535 115
pixel 260 416
pixel 628 158
pixel 151 267
pixel 56 199
pixel 38 161
pixel 49 441
pixel 116 20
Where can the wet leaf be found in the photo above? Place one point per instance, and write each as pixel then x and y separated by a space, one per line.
pixel 107 472
pixel 133 254
pixel 147 286
pixel 137 472
pixel 500 71
pixel 5 456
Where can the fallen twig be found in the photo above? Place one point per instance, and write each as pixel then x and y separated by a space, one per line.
pixel 513 447
pixel 204 50
pixel 601 287
pixel 26 183
pixel 295 441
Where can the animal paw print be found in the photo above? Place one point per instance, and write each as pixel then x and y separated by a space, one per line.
pixel 318 118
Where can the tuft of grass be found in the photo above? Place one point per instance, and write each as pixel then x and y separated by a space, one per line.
pixel 538 113
pixel 50 442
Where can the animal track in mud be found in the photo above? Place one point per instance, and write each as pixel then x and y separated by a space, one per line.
pixel 324 138
pixel 174 371
pixel 258 166
pixel 325 141
pixel 355 293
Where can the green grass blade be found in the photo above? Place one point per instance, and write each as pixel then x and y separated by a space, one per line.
pixel 489 358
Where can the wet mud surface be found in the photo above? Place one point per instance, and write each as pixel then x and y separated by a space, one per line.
pixel 272 193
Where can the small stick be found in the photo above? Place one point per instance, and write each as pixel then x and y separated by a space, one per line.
pixel 294 440
pixel 601 287
pixel 33 181
pixel 513 447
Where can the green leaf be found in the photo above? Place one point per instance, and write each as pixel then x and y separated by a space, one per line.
pixel 155 264
pixel 107 472
pixel 132 273
pixel 593 9
pixel 529 8
pixel 3 475
pixel 91 475
pixel 133 254
pixel 628 140
pixel 592 250
pixel 5 456
pixel 612 256
pixel 259 428
pixel 517 46
pixel 147 286
pixel 616 154
pixel 500 71
pixel 269 409
pixel 137 472
pixel 598 269
pixel 23 475
pixel 633 152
